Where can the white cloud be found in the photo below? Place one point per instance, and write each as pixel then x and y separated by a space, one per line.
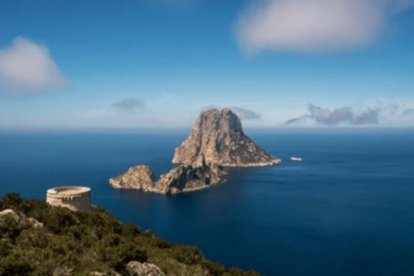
pixel 26 66
pixel 314 25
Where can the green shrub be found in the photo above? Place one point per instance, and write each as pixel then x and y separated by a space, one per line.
pixel 10 266
pixel 5 247
pixel 187 255
pixel 11 200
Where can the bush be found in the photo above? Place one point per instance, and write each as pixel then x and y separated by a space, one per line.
pixel 10 266
pixel 187 255
pixel 11 200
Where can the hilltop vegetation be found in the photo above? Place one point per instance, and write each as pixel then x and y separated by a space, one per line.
pixel 45 240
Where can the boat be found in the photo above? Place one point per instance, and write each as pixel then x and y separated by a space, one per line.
pixel 298 159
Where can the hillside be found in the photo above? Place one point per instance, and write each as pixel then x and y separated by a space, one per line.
pixel 37 239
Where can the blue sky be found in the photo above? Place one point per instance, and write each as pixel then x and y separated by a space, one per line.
pixel 157 63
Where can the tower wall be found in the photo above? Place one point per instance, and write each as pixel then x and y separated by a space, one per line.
pixel 75 198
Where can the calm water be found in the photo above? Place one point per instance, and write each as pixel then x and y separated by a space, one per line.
pixel 348 209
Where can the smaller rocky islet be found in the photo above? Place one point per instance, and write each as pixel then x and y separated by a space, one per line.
pixel 216 142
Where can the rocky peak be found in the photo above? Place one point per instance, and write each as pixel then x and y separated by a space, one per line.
pixel 214 119
pixel 217 137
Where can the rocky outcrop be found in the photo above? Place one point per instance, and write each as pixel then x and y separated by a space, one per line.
pixel 183 178
pixel 135 268
pixel 215 142
pixel 188 178
pixel 217 137
pixel 139 177
pixel 8 216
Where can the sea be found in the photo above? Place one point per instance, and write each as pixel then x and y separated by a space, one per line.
pixel 347 209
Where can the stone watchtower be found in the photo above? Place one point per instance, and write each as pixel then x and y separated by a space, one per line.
pixel 75 198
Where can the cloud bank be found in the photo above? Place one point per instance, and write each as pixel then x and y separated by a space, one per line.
pixel 314 25
pixel 129 104
pixel 26 66
pixel 347 115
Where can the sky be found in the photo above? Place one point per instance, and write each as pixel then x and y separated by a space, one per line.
pixel 132 64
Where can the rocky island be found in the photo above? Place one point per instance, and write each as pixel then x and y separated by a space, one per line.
pixel 215 142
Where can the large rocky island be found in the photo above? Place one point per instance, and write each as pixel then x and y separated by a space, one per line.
pixel 216 142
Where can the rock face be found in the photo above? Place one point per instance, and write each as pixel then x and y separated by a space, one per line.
pixel 183 178
pixel 8 216
pixel 139 177
pixel 217 137
pixel 188 178
pixel 215 142
pixel 135 268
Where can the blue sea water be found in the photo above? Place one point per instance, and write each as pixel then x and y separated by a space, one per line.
pixel 348 209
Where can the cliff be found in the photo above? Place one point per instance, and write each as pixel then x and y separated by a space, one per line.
pixel 216 142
